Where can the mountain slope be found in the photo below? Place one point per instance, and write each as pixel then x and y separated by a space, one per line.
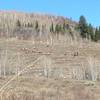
pixel 14 23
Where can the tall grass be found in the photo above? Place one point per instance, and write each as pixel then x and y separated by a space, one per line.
pixel 87 70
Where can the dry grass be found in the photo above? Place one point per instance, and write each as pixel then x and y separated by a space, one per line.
pixel 61 73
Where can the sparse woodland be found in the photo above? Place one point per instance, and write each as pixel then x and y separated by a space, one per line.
pixel 26 26
pixel 46 57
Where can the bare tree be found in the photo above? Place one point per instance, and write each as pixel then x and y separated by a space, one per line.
pixel 92 67
pixel 18 64
pixel 84 72
pixel 5 61
pixel 0 65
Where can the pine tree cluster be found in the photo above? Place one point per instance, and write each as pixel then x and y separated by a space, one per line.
pixel 87 30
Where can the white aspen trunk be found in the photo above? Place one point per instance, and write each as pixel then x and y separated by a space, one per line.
pixel 18 65
pixel 51 40
pixel 0 65
pixel 92 68
pixel 45 71
pixel 45 67
pixel 5 60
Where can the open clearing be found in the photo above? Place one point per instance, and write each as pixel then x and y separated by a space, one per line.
pixel 56 75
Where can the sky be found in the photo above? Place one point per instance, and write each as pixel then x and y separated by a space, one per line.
pixel 67 8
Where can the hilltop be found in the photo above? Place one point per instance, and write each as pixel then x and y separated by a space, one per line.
pixel 47 57
pixel 28 25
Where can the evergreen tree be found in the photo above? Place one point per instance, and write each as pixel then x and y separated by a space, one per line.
pixel 37 26
pixel 96 34
pixel 90 32
pixel 52 28
pixel 57 28
pixel 29 25
pixel 18 23
pixel 64 27
pixel 83 27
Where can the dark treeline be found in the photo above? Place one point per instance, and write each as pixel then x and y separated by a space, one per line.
pixel 38 28
pixel 26 26
pixel 87 30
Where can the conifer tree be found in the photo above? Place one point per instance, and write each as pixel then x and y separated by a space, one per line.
pixel 52 28
pixel 18 23
pixel 83 27
pixel 96 34
pixel 90 32
pixel 37 26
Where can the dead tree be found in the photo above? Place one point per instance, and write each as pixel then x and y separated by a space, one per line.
pixel 0 65
pixel 4 63
pixel 18 65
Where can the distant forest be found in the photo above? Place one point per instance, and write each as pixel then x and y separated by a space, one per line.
pixel 26 26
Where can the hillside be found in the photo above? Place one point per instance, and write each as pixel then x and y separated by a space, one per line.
pixel 27 25
pixel 43 57
pixel 62 71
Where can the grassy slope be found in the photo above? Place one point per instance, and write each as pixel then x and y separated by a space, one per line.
pixel 60 59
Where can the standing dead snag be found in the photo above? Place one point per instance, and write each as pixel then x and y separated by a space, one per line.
pixel 92 69
pixel 18 64
pixel 84 72
pixel 0 65
pixel 5 54
pixel 47 66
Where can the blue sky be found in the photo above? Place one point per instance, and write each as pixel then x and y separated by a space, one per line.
pixel 68 8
